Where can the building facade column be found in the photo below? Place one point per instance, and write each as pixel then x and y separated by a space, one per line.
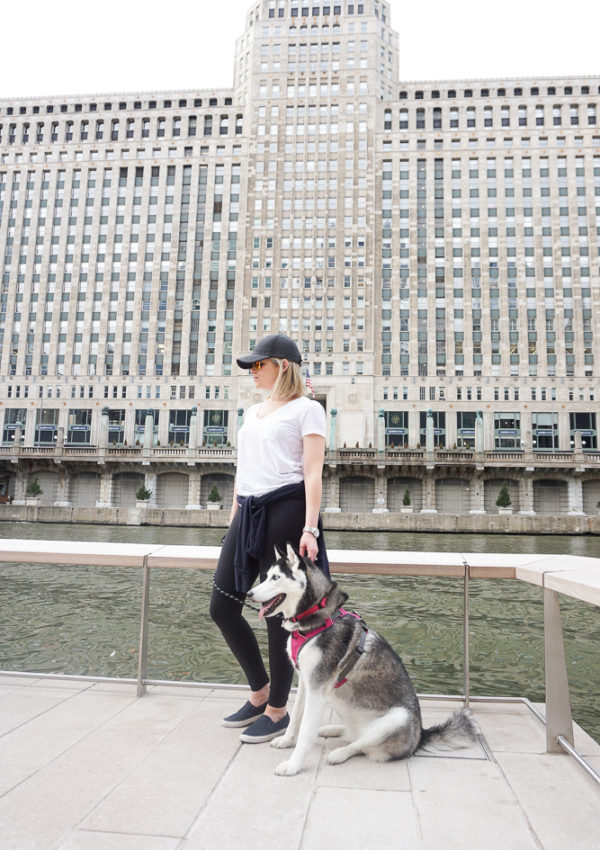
pixel 21 478
pixel 194 485
pixel 575 493
pixel 18 435
pixel 332 429
pixel 193 441
pixel 564 431
pixel 103 429
pixel 149 429
pixel 429 441
pixel 106 491
pixel 333 491
pixel 240 421
pixel 150 484
pixel 451 430
pixel 477 491
pixel 479 433
pixel 381 432
pixel 428 494
pixel 29 429
pixel 414 425
pixel 526 496
pixel 62 487
pixel 381 482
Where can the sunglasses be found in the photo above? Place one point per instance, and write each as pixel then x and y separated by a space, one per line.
pixel 258 364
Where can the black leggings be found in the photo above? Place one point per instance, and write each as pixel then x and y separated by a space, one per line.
pixel 285 520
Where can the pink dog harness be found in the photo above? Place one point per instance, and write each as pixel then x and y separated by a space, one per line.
pixel 299 641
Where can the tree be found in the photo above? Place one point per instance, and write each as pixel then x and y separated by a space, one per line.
pixel 504 500
pixel 33 488
pixel 214 495
pixel 142 494
pixel 406 498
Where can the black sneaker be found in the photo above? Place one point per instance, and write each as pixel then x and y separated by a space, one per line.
pixel 265 729
pixel 245 716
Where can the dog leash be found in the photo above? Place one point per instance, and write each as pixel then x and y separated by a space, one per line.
pixel 231 596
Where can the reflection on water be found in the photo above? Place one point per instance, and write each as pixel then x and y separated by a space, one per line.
pixel 86 619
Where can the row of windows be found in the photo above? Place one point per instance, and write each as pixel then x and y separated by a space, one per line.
pixel 405 393
pixel 94 154
pixel 108 106
pixel 467 393
pixel 509 430
pixel 304 10
pixel 116 129
pixel 193 391
pixel 490 162
pixel 487 116
pixel 518 91
pixel 108 173
pixel 78 423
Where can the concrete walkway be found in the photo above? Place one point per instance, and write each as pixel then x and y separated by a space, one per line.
pixel 87 766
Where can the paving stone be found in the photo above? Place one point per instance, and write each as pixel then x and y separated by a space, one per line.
pixel 563 813
pixel 252 808
pixel 512 731
pixel 355 818
pixel 165 792
pixel 467 805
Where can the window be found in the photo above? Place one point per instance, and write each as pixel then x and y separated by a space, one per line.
pixel 465 429
pixel 544 431
pixel 396 428
pixel 507 430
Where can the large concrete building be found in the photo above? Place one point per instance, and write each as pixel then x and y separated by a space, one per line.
pixel 433 248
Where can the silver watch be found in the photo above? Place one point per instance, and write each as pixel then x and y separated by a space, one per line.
pixel 311 530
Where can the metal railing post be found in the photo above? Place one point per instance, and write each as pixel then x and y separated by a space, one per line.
pixel 466 660
pixel 559 722
pixel 143 650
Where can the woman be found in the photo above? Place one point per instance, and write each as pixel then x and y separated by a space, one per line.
pixel 281 447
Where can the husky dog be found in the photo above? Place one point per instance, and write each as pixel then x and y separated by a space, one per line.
pixel 341 662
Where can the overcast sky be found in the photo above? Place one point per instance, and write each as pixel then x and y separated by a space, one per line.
pixel 85 47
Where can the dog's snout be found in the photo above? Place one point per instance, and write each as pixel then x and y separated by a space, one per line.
pixel 250 594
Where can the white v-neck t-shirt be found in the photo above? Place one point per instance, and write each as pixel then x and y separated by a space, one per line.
pixel 270 450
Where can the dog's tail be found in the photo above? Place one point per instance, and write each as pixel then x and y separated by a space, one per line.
pixel 458 731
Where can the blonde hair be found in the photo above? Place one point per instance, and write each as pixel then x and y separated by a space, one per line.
pixel 288 384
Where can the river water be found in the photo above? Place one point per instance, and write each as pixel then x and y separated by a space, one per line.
pixel 85 620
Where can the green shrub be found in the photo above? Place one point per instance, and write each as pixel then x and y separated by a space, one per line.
pixel 33 488
pixel 214 495
pixel 503 500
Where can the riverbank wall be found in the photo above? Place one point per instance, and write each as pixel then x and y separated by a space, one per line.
pixel 491 523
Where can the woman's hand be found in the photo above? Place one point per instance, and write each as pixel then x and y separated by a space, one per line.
pixel 308 546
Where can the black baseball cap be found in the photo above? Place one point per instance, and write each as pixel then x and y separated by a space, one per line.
pixel 276 345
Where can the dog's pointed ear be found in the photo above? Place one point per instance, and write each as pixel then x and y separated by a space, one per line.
pixel 278 553
pixel 293 559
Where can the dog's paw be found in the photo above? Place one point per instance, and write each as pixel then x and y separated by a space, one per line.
pixel 332 731
pixel 282 743
pixel 338 756
pixel 286 768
